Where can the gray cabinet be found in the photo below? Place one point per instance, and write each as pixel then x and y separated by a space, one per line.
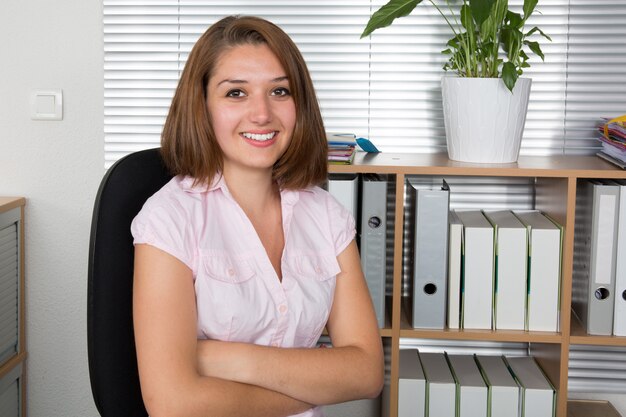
pixel 12 345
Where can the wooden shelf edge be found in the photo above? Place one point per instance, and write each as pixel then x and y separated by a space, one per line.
pixel 490 335
pixel 559 166
pixel 8 203
pixel 587 408
pixel 12 363
pixel 579 336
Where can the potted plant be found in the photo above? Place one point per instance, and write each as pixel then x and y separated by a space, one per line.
pixel 485 104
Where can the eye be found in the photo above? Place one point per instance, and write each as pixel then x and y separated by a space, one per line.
pixel 281 91
pixel 235 93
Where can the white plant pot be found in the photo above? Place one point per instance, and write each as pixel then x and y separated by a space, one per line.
pixel 484 121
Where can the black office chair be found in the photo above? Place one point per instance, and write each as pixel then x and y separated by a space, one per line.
pixel 110 339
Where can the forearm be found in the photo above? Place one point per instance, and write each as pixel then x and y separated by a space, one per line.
pixel 316 376
pixel 208 396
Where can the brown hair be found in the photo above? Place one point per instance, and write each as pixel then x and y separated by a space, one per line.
pixel 188 143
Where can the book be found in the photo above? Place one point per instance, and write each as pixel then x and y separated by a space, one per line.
pixel 411 385
pixel 427 224
pixel 345 188
pixel 619 308
pixel 471 390
pixel 503 391
pixel 455 239
pixel 538 394
pixel 544 271
pixel 595 249
pixel 477 280
pixel 373 240
pixel 440 385
pixel 510 270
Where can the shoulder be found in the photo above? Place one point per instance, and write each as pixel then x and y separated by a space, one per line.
pixel 317 197
pixel 323 209
pixel 174 197
pixel 167 220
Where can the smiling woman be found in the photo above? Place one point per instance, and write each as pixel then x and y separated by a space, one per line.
pixel 241 260
pixel 189 143
pixel 251 108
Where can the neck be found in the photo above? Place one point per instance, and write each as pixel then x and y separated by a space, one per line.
pixel 253 190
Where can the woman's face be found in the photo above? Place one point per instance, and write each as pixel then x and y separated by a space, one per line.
pixel 251 108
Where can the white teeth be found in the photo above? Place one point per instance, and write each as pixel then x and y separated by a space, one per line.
pixel 261 138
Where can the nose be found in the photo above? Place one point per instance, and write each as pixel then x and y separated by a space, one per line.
pixel 260 110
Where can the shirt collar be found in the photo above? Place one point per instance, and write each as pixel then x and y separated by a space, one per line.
pixel 186 183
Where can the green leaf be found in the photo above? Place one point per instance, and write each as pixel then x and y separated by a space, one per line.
pixel 481 9
pixel 536 29
pixel 515 20
pixel 466 18
pixel 529 7
pixel 384 16
pixel 534 46
pixel 511 41
pixel 509 75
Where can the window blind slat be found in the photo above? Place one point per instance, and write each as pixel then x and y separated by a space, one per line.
pixel 386 87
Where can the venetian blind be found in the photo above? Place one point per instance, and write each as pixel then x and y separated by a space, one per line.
pixel 385 87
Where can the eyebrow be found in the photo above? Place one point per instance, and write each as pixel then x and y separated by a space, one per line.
pixel 235 81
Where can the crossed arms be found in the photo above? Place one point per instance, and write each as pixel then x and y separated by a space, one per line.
pixel 182 376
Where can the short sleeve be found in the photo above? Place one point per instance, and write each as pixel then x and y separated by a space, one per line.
pixel 342 224
pixel 164 225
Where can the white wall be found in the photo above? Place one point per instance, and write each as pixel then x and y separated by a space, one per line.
pixel 57 166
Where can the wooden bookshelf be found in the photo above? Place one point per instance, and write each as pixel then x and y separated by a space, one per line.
pixel 556 179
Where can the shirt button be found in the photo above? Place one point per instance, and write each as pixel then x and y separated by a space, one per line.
pixel 282 309
pixel 231 272
pixel 318 269
pixel 275 344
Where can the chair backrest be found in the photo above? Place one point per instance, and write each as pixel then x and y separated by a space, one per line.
pixel 111 343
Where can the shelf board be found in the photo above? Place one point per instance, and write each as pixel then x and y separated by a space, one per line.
pixel 560 166
pixel 491 335
pixel 464 334
pixel 579 336
pixel 8 203
pixel 588 408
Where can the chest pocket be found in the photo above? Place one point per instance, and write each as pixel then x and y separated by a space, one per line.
pixel 226 269
pixel 224 290
pixel 315 276
pixel 320 267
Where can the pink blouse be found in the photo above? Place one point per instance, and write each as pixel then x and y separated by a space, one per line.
pixel 238 294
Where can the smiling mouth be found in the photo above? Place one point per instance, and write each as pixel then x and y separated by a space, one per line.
pixel 259 137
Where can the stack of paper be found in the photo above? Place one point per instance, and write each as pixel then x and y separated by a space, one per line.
pixel 341 148
pixel 614 143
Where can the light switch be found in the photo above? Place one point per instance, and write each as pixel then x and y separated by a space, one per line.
pixel 46 105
